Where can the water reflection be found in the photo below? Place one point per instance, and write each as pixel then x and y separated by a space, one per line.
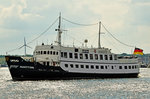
pixel 126 88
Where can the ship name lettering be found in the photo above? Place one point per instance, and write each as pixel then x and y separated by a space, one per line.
pixel 13 66
pixel 14 60
pixel 29 67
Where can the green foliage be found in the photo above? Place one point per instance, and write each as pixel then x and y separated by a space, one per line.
pixel 2 60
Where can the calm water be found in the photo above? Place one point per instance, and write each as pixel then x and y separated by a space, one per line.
pixel 127 88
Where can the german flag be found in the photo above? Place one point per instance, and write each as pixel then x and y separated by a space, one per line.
pixel 138 51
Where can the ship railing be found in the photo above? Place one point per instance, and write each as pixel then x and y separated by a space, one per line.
pixel 88 47
pixel 128 60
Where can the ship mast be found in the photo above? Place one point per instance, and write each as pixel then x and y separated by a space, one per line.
pixel 99 45
pixel 59 31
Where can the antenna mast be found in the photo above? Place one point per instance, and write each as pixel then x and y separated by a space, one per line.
pixel 99 45
pixel 59 31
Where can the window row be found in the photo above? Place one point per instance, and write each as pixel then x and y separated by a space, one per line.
pixel 46 52
pixel 99 67
pixel 88 56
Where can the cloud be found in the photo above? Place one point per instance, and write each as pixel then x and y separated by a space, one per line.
pixel 13 15
pixel 125 19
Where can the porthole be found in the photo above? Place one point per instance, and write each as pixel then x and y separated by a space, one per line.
pixel 82 66
pixel 71 65
pixel 77 66
pixel 92 66
pixel 66 65
pixel 87 66
pixel 97 67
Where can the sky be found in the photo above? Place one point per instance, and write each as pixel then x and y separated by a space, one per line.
pixel 127 20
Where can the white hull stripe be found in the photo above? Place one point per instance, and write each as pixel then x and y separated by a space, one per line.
pixel 95 62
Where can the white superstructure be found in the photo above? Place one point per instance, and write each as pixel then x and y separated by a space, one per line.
pixel 84 60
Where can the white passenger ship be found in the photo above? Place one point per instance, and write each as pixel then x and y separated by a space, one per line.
pixel 60 62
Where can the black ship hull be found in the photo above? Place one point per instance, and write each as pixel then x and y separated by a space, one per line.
pixel 23 70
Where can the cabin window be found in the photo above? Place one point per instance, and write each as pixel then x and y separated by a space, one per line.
pixel 65 54
pixel 105 67
pixel 47 52
pixel 53 52
pixel 52 47
pixel 77 66
pixel 70 55
pixel 110 57
pixel 41 52
pixel 66 65
pixel 132 67
pixel 81 56
pixel 102 67
pixel 44 52
pixel 101 57
pixel 112 67
pixel 96 56
pixel 47 63
pixel 106 57
pixel 97 67
pixel 82 66
pixel 135 66
pixel 129 67
pixel 92 66
pixel 120 67
pixel 86 56
pixel 56 53
pixel 76 50
pixel 91 56
pixel 62 54
pixel 76 55
pixel 71 65
pixel 115 57
pixel 87 66
pixel 37 52
pixel 125 67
